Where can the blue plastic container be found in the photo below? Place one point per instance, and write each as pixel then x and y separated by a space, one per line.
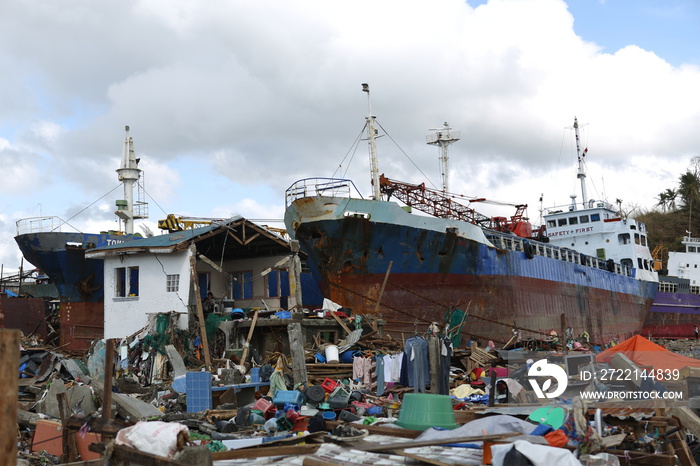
pixel 346 356
pixel 288 406
pixel 283 397
pixel 255 374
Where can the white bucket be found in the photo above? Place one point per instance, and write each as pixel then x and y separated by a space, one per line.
pixel 332 354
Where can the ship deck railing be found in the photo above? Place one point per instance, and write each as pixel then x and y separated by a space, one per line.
pixel 39 225
pixel 516 243
pixel 690 239
pixel 312 187
pixel 673 287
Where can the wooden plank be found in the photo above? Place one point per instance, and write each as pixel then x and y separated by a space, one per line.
pixel 311 461
pixel 70 449
pixel 422 459
pixel 681 450
pixel 99 425
pixel 292 450
pixel 246 349
pixel 342 324
pixel 9 368
pixel 380 430
pixel 428 443
pixel 107 389
pixel 379 298
pixel 688 418
pixel 296 347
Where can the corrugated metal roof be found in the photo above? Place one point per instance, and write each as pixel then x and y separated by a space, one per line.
pixel 234 238
pixel 165 241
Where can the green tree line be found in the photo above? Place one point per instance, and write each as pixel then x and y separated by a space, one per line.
pixel 676 213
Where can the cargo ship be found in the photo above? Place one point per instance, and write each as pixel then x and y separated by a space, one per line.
pixel 61 256
pixel 676 308
pixel 587 272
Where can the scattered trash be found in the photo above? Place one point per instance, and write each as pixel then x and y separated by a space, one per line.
pixel 162 401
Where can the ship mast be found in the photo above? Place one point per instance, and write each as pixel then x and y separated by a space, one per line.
pixel 128 174
pixel 443 138
pixel 581 175
pixel 372 139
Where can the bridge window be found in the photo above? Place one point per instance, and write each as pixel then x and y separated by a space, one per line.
pixel 595 217
pixel 624 238
pixel 573 220
pixel 584 219
pixel 562 222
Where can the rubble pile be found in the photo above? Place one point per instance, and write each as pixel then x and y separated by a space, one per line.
pixel 149 399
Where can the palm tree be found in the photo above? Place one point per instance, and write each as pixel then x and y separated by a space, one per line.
pixel 671 195
pixel 689 188
pixel 663 201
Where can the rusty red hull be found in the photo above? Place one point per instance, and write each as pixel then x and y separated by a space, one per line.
pixel 673 315
pixel 81 324
pixel 25 314
pixel 495 305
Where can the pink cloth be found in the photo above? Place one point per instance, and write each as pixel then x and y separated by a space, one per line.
pixel 362 369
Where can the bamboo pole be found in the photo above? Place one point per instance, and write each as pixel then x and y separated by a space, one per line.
pixel 200 311
pixel 246 349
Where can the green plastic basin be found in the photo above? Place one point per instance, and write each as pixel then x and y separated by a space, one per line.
pixel 421 411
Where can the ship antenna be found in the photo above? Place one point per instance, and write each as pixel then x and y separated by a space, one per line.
pixel 128 174
pixel 443 138
pixel 372 138
pixel 581 175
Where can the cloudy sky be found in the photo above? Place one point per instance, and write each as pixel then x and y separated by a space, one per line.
pixel 229 102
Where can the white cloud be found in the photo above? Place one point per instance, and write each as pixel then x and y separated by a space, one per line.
pixel 229 102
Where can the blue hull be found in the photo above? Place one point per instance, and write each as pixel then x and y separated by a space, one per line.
pixel 61 256
pixel 439 264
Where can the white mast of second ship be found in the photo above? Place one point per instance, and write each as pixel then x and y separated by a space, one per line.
pixel 372 139
pixel 443 138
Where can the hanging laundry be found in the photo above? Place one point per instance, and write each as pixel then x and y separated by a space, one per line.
pixel 445 359
pixel 380 374
pixel 418 366
pixel 362 369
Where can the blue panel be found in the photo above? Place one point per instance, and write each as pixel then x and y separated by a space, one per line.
pixel 133 281
pixel 203 285
pixel 272 284
pixel 310 292
pixel 198 389
pixel 284 283
pixel 247 285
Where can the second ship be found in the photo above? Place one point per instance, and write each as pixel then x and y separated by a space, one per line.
pixel 587 272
